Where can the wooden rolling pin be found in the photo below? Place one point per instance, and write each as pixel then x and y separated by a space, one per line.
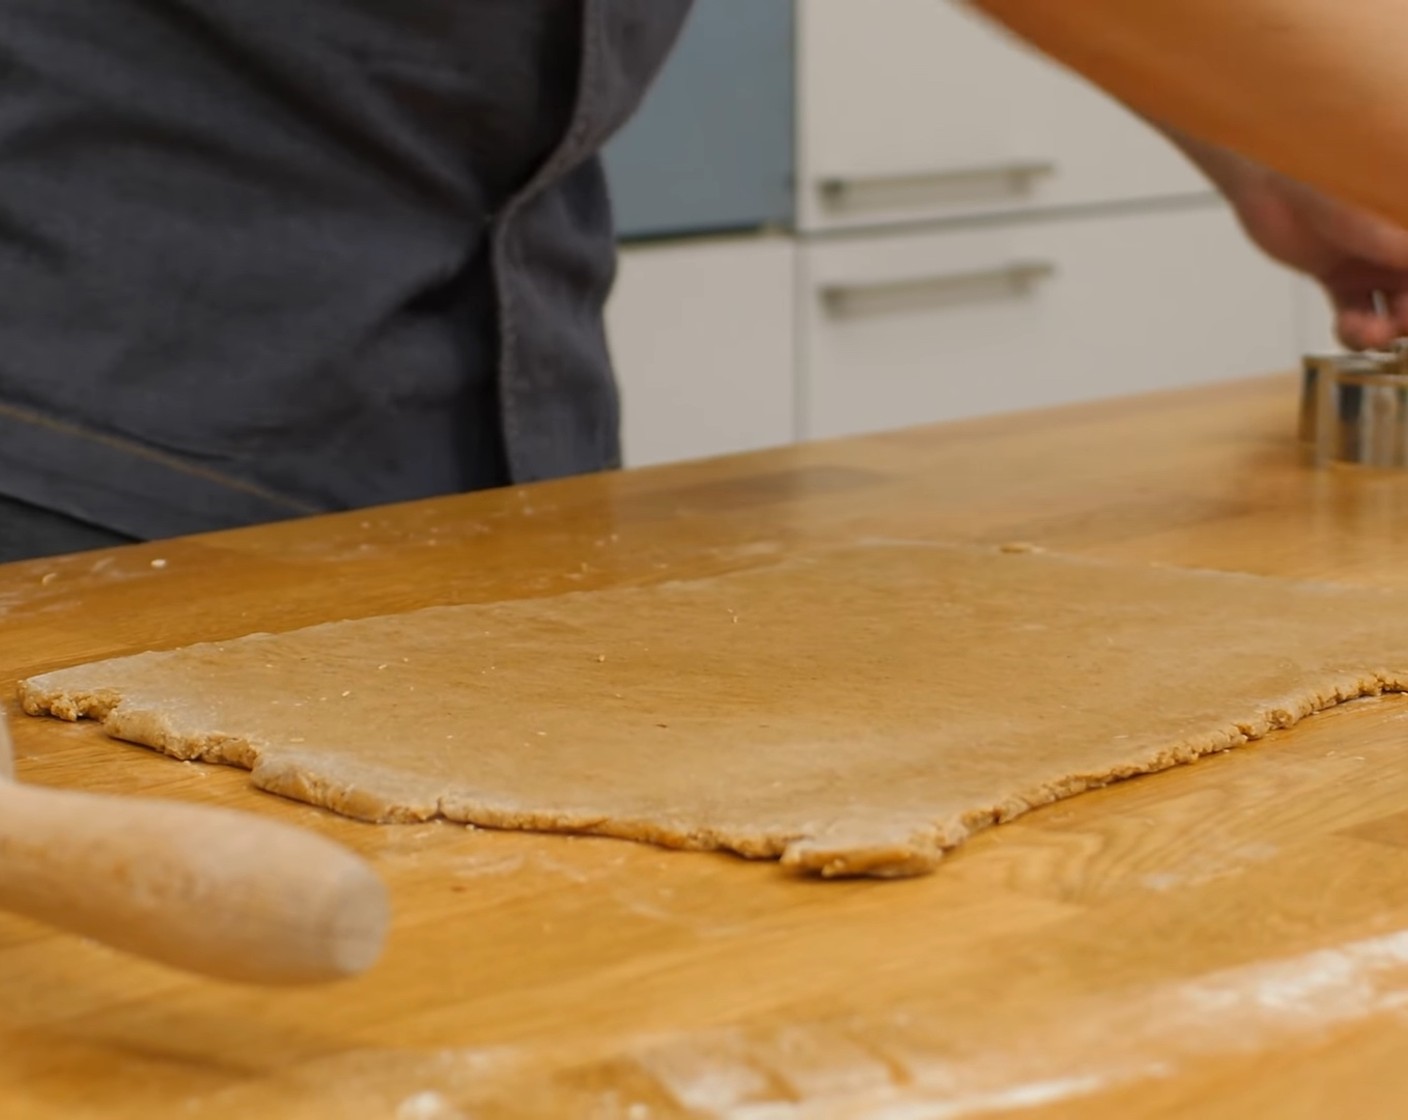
pixel 212 891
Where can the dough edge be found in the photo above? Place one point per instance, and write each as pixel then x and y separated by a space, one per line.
pixel 846 849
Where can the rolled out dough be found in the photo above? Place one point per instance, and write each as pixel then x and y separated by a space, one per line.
pixel 854 711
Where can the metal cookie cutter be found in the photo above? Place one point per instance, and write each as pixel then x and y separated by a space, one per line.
pixel 1354 408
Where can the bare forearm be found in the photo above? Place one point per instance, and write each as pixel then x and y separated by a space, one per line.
pixel 1227 169
pixel 1314 88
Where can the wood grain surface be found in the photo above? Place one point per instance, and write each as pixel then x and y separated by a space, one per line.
pixel 1227 939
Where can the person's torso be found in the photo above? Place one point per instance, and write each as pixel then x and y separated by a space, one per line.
pixel 286 250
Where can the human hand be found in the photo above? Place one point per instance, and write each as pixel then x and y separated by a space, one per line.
pixel 1360 259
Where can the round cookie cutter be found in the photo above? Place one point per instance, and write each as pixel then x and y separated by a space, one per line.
pixel 1354 408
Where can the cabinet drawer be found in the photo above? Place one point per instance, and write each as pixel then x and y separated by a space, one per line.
pixel 702 335
pixel 902 329
pixel 919 109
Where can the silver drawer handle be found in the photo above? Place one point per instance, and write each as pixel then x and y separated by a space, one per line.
pixel 954 185
pixel 951 287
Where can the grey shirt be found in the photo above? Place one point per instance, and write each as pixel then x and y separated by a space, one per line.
pixel 260 259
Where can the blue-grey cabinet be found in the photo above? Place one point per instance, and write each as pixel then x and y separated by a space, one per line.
pixel 711 149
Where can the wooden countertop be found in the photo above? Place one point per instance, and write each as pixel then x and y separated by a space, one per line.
pixel 1228 939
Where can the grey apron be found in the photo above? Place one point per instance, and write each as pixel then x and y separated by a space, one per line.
pixel 261 259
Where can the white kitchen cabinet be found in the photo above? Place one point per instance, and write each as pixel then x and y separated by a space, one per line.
pixel 902 328
pixel 919 109
pixel 702 334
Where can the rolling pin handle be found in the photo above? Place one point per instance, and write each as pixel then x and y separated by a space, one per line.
pixel 213 891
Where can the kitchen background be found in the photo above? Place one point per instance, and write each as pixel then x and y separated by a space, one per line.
pixel 844 216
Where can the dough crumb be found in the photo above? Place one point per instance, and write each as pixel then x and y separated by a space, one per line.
pixel 49 578
pixel 158 563
pixel 1020 547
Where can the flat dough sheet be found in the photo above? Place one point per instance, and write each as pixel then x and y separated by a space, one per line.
pixel 857 711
